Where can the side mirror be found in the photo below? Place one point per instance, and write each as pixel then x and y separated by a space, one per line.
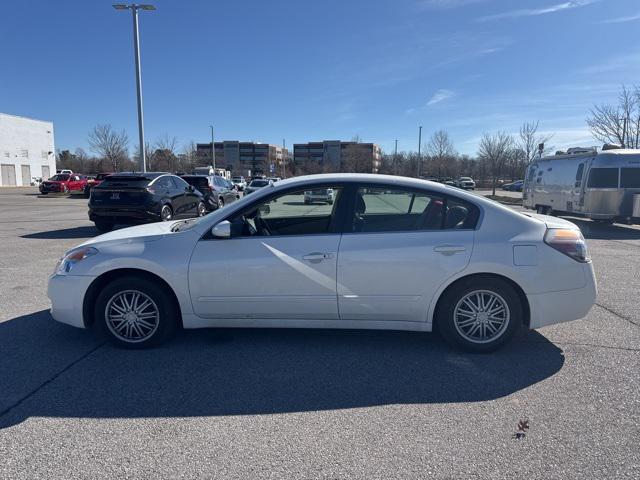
pixel 221 230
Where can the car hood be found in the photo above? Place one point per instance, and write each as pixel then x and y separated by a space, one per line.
pixel 146 233
pixel 552 222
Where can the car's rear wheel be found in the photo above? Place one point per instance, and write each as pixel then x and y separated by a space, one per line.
pixel 479 315
pixel 104 227
pixel 166 213
pixel 134 312
pixel 221 202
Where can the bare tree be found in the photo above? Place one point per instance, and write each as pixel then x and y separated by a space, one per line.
pixel 495 150
pixel 357 158
pixel 110 144
pixel 618 123
pixel 188 160
pixel 164 157
pixel 441 152
pixel 529 141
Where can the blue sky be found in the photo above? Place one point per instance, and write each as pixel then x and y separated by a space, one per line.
pixel 313 70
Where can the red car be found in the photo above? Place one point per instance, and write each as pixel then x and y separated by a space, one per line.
pixel 64 183
pixel 94 182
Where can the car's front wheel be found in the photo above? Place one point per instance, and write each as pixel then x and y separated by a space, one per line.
pixel 479 315
pixel 202 209
pixel 134 312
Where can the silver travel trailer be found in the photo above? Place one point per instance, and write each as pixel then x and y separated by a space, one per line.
pixel 601 185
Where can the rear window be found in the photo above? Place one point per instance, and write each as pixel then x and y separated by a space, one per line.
pixel 122 181
pixel 101 176
pixel 630 177
pixel 259 183
pixel 603 178
pixel 197 181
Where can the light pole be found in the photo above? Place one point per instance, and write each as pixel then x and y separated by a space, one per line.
pixel 284 159
pixel 213 150
pixel 134 7
pixel 419 150
pixel 395 157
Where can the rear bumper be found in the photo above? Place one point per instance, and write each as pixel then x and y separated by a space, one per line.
pixel 66 293
pixel 124 215
pixel 558 307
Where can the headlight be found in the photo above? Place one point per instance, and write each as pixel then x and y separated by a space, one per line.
pixel 66 263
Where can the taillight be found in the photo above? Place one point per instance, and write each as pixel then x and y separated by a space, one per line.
pixel 568 241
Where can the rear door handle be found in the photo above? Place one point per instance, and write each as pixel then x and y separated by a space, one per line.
pixel 317 256
pixel 449 249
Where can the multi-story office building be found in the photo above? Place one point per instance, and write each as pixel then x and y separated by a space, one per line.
pixel 244 158
pixel 334 154
pixel 26 150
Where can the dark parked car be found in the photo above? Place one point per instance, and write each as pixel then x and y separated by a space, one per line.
pixel 513 187
pixel 203 185
pixel 224 189
pixel 137 197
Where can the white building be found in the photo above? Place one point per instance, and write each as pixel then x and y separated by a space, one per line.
pixel 26 150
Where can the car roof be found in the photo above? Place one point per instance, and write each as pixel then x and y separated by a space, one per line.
pixel 147 175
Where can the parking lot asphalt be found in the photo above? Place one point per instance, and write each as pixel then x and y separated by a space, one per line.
pixel 309 404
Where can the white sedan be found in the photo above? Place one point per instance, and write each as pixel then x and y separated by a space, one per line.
pixel 390 253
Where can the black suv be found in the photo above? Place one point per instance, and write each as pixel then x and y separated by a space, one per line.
pixel 202 184
pixel 137 197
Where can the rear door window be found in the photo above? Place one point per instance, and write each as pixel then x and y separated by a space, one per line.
pixel 603 178
pixel 164 182
pixel 630 177
pixel 379 209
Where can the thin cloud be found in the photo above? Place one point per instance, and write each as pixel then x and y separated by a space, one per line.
pixel 532 12
pixel 440 96
pixel 630 18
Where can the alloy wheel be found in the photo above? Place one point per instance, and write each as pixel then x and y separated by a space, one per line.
pixel 481 316
pixel 132 316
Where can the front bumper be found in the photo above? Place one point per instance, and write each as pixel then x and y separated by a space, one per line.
pixel 558 307
pixel 66 293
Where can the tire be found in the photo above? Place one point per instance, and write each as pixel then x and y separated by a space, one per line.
pixel 87 192
pixel 201 209
pixel 154 323
pixel 104 227
pixel 464 330
pixel 220 202
pixel 166 213
pixel 542 210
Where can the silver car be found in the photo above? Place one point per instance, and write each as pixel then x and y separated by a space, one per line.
pixel 324 195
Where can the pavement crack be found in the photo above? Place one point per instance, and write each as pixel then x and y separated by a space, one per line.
pixel 617 314
pixel 18 402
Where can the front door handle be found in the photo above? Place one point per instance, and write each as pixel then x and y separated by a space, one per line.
pixel 316 257
pixel 449 249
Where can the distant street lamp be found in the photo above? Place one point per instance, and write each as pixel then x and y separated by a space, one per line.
pixel 419 151
pixel 134 7
pixel 213 151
